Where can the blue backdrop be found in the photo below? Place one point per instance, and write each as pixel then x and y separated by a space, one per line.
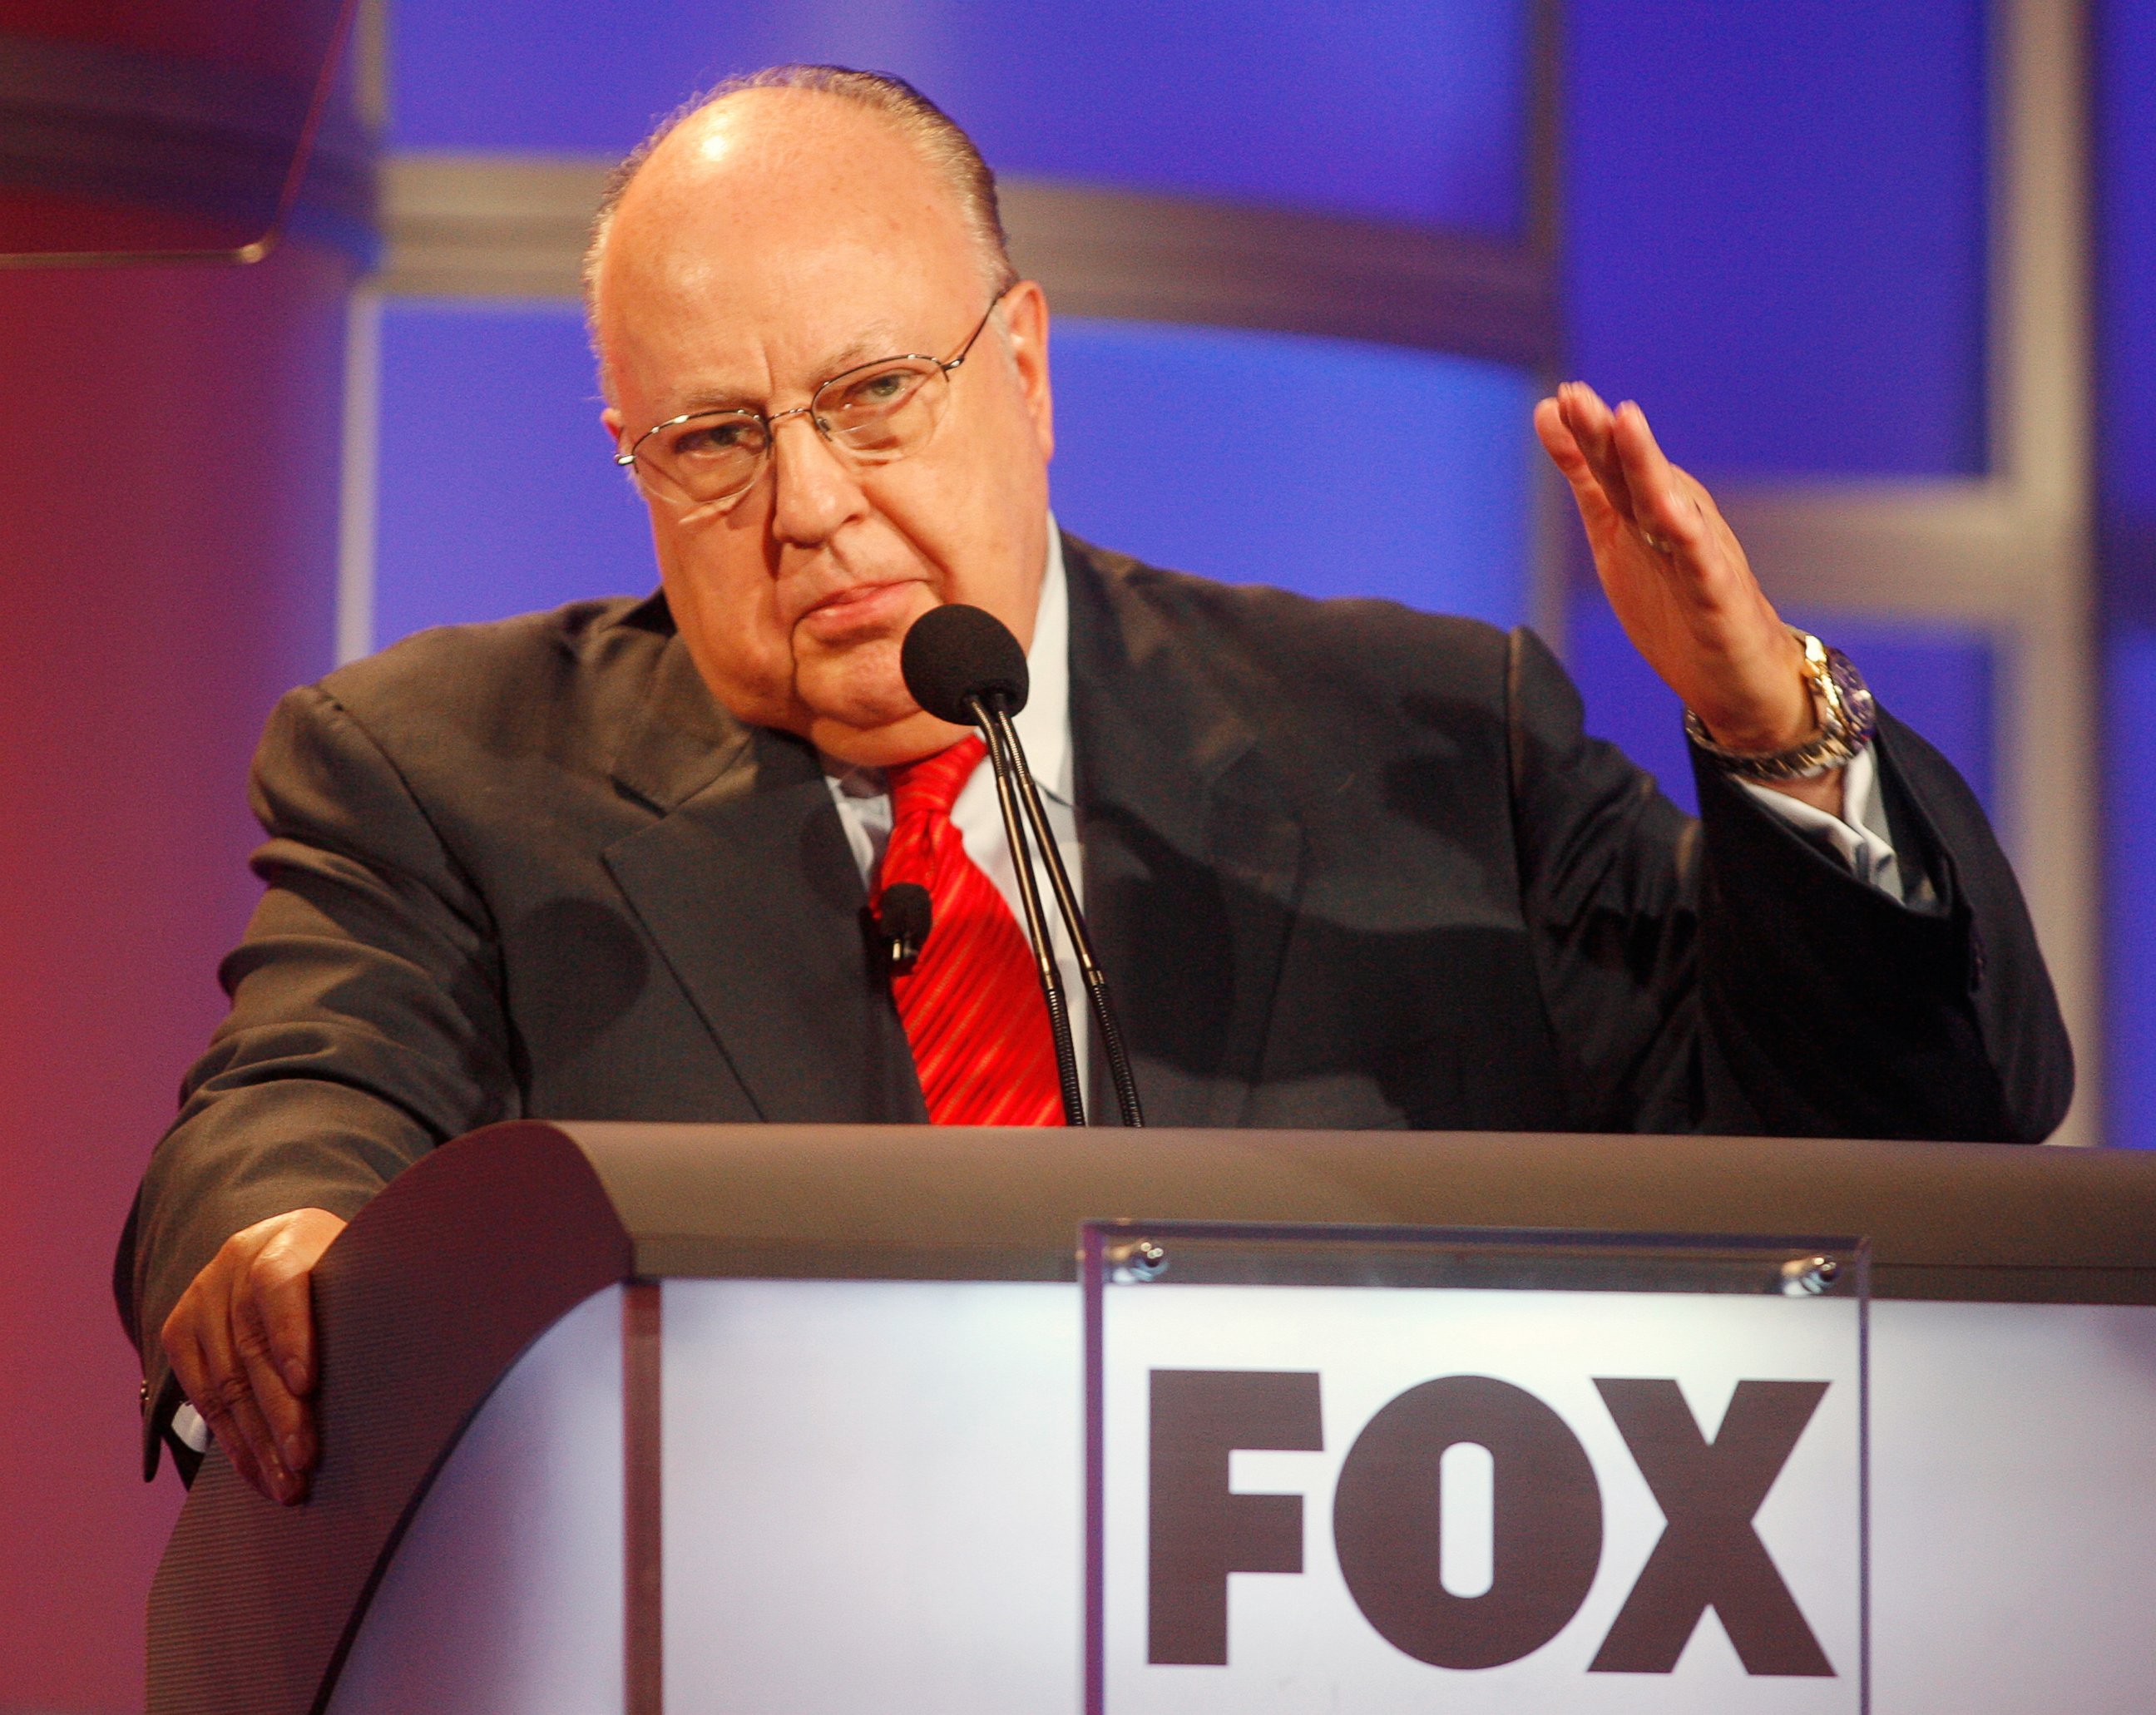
pixel 2126 419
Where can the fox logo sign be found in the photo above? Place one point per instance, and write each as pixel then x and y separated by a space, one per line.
pixel 1312 1499
pixel 1545 1512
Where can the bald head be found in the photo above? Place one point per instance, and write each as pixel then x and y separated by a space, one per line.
pixel 771 241
pixel 941 147
pixel 797 178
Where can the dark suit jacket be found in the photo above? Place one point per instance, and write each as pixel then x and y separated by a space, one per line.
pixel 1347 865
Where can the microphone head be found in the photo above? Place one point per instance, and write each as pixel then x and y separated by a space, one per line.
pixel 956 653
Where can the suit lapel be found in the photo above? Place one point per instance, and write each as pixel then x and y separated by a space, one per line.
pixel 1193 862
pixel 747 884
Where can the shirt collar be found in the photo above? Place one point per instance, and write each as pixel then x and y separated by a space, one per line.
pixel 1044 724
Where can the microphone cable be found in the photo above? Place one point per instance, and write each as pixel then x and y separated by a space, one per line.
pixel 1002 734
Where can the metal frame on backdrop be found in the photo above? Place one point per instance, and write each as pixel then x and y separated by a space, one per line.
pixel 2007 554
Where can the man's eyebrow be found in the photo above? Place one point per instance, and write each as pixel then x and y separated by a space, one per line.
pixel 867 349
pixel 712 399
pixel 870 348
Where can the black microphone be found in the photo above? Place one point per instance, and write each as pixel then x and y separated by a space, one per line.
pixel 904 914
pixel 954 655
pixel 961 665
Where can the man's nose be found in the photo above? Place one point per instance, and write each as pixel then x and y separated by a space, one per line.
pixel 813 486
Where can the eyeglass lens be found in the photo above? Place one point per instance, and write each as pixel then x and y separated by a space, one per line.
pixel 880 412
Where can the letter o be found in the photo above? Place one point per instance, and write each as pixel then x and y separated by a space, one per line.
pixel 1546 1522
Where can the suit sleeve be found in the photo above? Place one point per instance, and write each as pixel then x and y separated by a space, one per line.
pixel 366 1026
pixel 1729 976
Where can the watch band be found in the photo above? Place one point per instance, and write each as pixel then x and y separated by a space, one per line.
pixel 1848 718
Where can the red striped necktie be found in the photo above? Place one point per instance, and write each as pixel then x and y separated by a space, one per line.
pixel 971 1005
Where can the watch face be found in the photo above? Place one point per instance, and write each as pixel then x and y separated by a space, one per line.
pixel 1862 716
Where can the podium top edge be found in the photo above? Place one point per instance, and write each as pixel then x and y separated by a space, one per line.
pixel 1951 1221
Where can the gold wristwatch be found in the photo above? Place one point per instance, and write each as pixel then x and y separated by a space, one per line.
pixel 1848 717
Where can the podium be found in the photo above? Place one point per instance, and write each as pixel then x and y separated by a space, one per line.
pixel 796 1420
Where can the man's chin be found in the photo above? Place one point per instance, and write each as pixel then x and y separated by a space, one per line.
pixel 858 709
pixel 882 745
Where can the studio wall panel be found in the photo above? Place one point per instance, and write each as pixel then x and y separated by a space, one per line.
pixel 2130 720
pixel 497 491
pixel 1777 232
pixel 2125 290
pixel 2126 452
pixel 1411 109
pixel 1321 465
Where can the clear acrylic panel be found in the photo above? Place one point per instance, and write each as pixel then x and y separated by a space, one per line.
pixel 1341 1467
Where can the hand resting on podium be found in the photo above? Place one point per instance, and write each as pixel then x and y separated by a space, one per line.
pixel 242 1342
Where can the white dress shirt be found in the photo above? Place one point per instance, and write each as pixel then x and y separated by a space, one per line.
pixel 1858 836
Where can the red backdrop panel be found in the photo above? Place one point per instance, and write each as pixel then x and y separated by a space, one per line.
pixel 168 481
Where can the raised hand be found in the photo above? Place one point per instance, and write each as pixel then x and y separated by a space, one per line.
pixel 1680 584
pixel 242 1342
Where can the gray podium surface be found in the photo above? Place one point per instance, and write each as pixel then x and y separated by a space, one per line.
pixel 813 1396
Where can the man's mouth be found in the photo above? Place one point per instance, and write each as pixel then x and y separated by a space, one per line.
pixel 856 607
pixel 850 595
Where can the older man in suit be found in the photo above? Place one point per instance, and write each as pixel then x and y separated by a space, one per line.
pixel 1348 866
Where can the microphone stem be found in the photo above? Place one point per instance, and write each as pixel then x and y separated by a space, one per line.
pixel 1036 925
pixel 1003 737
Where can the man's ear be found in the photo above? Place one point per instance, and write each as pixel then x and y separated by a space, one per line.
pixel 1025 316
pixel 610 420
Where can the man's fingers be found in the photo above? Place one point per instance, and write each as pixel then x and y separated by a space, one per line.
pixel 189 1369
pixel 1621 478
pixel 242 1343
pixel 199 1380
pixel 229 1404
pixel 281 1286
pixel 284 1414
pixel 1663 503
pixel 1593 428
pixel 1594 509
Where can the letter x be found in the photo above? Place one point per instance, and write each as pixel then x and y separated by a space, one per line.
pixel 1709 1555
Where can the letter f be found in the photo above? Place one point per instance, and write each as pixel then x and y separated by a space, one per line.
pixel 1200 1530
